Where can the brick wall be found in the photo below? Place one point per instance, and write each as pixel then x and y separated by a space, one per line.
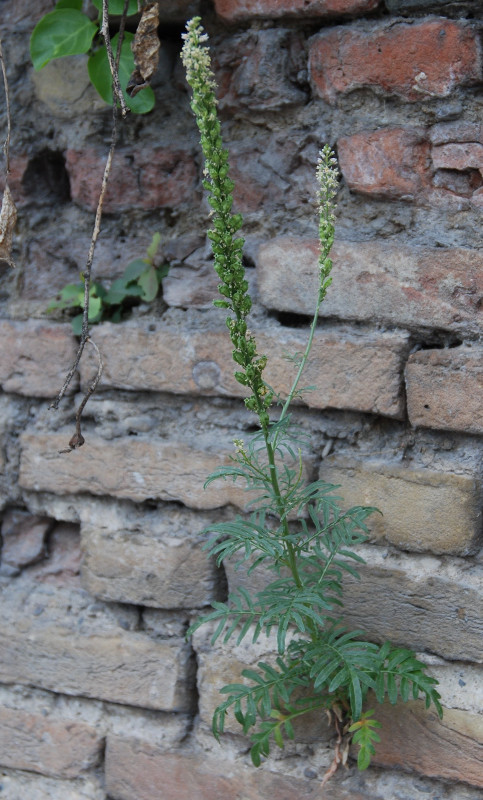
pixel 101 563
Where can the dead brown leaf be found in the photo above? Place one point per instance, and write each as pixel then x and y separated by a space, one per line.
pixel 145 48
pixel 8 220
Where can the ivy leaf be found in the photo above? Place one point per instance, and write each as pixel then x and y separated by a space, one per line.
pixel 77 324
pixel 63 32
pixel 117 7
pixel 148 282
pixel 100 75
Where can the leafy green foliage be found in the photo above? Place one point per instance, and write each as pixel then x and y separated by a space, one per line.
pixel 67 31
pixel 296 530
pixel 63 32
pixel 100 75
pixel 364 735
pixel 140 282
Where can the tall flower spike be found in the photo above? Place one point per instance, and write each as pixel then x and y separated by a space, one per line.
pixel 227 248
pixel 327 174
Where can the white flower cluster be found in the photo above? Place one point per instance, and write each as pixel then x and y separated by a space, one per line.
pixel 195 58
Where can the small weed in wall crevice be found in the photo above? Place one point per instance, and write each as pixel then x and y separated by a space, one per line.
pixel 140 283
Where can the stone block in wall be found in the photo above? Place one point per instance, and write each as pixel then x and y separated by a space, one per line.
pixel 222 664
pixel 35 357
pixel 37 743
pixel 413 737
pixel 376 282
pixel 390 162
pixel 134 468
pixel 445 389
pixel 242 10
pixel 20 785
pixel 135 768
pixel 147 178
pixel 23 539
pixel 422 509
pixel 414 601
pixel 347 369
pixel 411 60
pixel 258 71
pixel 149 558
pixel 58 639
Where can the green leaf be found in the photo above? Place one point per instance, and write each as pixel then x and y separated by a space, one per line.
pixel 148 282
pixel 154 246
pixel 117 7
pixel 77 324
pixel 95 305
pixel 64 32
pixel 119 291
pixel 135 269
pixel 100 75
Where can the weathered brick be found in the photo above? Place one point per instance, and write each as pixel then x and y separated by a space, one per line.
pixel 177 10
pixel 140 178
pixel 347 369
pixel 94 655
pixel 150 560
pixel 23 538
pixel 18 785
pixel 457 131
pixel 445 389
pixel 422 602
pixel 458 156
pixel 135 768
pixel 390 162
pixel 414 738
pixel 423 509
pixel 410 60
pixel 258 70
pixel 35 357
pixel 18 166
pixel 60 748
pixel 374 281
pixel 135 469
pixel 239 10
pixel 222 664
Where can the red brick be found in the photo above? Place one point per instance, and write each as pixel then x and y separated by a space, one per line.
pixel 60 748
pixel 392 162
pixel 140 178
pixel 410 60
pixel 458 155
pixel 445 389
pixel 413 737
pixel 18 166
pixel 237 10
pixel 137 769
pixel 374 281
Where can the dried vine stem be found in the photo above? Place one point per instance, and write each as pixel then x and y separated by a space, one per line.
pixel 78 440
pixel 8 212
pixel 6 144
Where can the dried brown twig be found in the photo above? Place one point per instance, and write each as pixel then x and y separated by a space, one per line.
pixel 8 213
pixel 77 439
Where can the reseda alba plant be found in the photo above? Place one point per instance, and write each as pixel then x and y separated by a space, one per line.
pixel 296 530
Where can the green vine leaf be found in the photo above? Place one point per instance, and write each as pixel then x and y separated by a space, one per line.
pixel 63 32
pixel 100 75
